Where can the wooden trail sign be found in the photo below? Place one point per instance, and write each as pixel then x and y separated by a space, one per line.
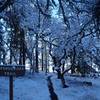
pixel 12 71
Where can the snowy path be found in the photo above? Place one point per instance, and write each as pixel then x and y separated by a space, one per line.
pixel 35 88
pixel 26 88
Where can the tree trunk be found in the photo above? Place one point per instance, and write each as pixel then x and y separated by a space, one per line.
pixel 61 76
pixel 58 73
pixel 63 82
pixel 63 67
pixel 42 58
pixel 73 61
pixel 36 52
pixel 45 49
pixel 22 47
pixel 10 54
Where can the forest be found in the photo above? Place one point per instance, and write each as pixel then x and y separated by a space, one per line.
pixel 58 43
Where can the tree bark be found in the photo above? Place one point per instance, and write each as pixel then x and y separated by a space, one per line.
pixel 36 51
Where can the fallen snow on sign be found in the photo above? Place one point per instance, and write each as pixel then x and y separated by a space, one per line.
pixel 34 87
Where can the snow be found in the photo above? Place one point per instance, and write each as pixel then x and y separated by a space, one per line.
pixel 34 87
pixel 77 90
pixel 25 88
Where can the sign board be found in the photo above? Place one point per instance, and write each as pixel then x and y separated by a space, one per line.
pixel 12 70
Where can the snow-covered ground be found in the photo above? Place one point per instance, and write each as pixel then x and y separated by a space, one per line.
pixel 77 89
pixel 34 87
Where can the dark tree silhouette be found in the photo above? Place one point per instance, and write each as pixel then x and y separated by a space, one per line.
pixel 5 3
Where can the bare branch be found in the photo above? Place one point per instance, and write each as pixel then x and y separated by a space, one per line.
pixel 6 4
pixel 40 9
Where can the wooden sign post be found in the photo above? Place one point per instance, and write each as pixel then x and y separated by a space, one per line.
pixel 12 71
pixel 11 88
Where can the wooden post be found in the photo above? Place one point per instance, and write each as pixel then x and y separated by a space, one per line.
pixel 11 71
pixel 11 88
